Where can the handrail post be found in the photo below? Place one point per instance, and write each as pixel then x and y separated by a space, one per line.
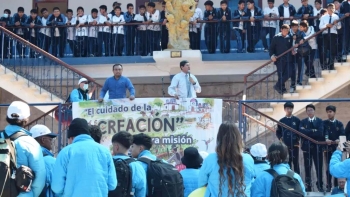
pixel 59 127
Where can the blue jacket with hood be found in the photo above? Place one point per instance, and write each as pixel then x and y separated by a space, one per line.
pixel 340 168
pixel 262 184
pixel 84 168
pixel 28 153
pixel 209 175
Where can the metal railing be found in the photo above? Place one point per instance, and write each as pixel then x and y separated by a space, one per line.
pixel 45 71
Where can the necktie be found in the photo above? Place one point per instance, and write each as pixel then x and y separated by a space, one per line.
pixel 330 21
pixel 188 83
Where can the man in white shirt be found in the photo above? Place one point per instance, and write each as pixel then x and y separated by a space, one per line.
pixel 184 84
pixel 70 21
pixel 196 28
pixel 141 34
pixel 104 32
pixel 81 33
pixel 45 33
pixel 269 26
pixel 93 20
pixel 331 21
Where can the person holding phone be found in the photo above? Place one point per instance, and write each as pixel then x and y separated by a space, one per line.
pixel 333 129
pixel 339 165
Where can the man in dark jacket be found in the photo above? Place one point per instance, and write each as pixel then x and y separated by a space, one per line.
pixel 224 15
pixel 345 11
pixel 56 20
pixel 210 29
pixel 313 128
pixel 165 33
pixel 19 20
pixel 253 27
pixel 288 137
pixel 33 34
pixel 332 130
pixel 281 43
pixel 6 19
pixel 306 11
pixel 239 28
pixel 286 17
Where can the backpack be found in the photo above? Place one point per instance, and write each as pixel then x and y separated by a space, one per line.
pixel 285 185
pixel 66 111
pixel 163 179
pixel 8 165
pixel 124 177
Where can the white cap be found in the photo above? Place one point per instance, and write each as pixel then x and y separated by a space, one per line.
pixel 19 108
pixel 41 130
pixel 258 150
pixel 82 80
pixel 203 154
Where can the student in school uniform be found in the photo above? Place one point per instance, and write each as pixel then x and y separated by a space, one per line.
pixel 317 10
pixel 305 12
pixel 296 75
pixel 6 18
pixel 19 20
pixel 290 139
pixel 153 31
pixel 56 19
pixel 331 21
pixel 115 4
pixel 239 27
pixel 269 27
pixel 307 32
pixel 340 41
pixel 93 20
pixel 71 20
pixel 165 33
pixel 196 28
pixel 345 11
pixel 45 33
pixel 141 33
pixel 33 34
pixel 104 32
pixel 130 32
pixel 286 12
pixel 81 33
pixel 313 128
pixel 210 29
pixel 224 15
pixel 118 32
pixel 253 27
pixel 333 128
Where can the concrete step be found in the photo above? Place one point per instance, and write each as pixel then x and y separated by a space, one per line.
pixel 342 65
pixel 303 88
pixel 329 72
pixel 291 95
pixel 316 80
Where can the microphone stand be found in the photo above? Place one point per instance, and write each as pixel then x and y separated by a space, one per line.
pixel 163 93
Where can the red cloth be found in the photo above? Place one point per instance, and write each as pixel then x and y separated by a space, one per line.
pixel 180 167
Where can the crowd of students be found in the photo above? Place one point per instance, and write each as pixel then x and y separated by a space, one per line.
pixel 113 34
pixel 85 167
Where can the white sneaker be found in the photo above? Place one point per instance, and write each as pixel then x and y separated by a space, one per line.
pixel 291 90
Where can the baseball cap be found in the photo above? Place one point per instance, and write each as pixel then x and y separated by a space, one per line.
pixel 258 150
pixel 82 80
pixel 41 130
pixel 18 110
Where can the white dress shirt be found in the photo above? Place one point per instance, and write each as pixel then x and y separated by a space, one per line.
pixel 324 21
pixel 101 20
pixel 267 11
pixel 155 19
pixel 140 19
pixel 45 31
pixel 179 85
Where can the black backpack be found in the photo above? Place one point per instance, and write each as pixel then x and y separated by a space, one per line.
pixel 163 179
pixel 124 177
pixel 8 184
pixel 285 185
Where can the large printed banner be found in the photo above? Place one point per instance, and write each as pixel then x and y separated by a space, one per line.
pixel 173 124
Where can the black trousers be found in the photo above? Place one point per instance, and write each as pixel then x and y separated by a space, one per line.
pixel 294 158
pixel 328 174
pixel 284 71
pixel 93 46
pixel 330 45
pixel 165 38
pixel 45 42
pixel 5 52
pixel 20 48
pixel 271 31
pixel 141 43
pixel 73 47
pixel 225 38
pixel 82 46
pixel 58 42
pixel 297 64
pixel 130 41
pixel 34 41
pixel 313 156
pixel 153 41
pixel 195 39
pixel 104 38
pixel 253 36
pixel 118 40
pixel 210 34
